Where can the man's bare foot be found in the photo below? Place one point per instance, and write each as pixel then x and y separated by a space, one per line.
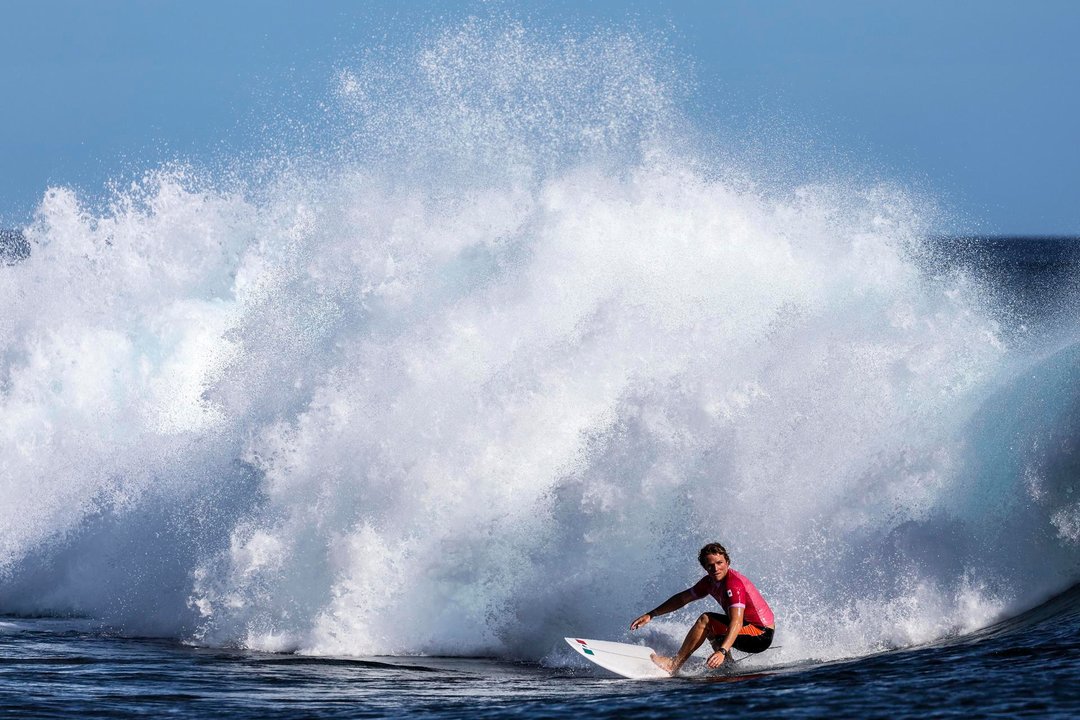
pixel 664 663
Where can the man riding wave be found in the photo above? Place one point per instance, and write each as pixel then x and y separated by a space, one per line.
pixel 747 623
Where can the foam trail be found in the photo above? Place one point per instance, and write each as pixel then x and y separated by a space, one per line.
pixel 495 372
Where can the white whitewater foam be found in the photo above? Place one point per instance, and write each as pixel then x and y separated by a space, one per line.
pixel 494 375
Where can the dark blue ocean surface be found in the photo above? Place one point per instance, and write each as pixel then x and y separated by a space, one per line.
pixel 1025 667
pixel 1036 280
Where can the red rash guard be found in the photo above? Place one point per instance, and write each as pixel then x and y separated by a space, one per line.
pixel 735 590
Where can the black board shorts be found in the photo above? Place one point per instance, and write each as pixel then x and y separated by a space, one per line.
pixel 751 638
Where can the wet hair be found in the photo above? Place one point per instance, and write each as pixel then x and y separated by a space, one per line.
pixel 712 549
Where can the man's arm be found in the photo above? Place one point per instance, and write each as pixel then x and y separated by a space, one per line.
pixel 736 615
pixel 672 604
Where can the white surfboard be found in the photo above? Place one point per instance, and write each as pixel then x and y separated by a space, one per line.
pixel 629 661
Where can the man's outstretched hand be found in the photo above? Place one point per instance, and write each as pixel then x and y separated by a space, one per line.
pixel 643 620
pixel 716 660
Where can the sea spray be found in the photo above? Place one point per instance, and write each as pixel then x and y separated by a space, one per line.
pixel 490 372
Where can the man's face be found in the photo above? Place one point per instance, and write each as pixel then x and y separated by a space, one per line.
pixel 716 566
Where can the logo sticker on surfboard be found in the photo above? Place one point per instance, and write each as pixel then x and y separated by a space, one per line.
pixel 585 647
pixel 629 661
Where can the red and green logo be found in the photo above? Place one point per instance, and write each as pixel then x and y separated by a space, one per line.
pixel 585 647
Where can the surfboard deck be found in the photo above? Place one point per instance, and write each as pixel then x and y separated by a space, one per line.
pixel 628 661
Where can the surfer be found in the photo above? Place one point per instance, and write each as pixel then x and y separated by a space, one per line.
pixel 747 622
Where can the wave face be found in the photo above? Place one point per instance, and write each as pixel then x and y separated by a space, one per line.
pixel 493 366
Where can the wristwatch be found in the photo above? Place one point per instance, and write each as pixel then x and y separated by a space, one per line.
pixel 722 650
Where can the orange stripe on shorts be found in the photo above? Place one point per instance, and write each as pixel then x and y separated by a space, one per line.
pixel 719 629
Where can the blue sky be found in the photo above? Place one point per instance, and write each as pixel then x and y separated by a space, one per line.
pixel 977 101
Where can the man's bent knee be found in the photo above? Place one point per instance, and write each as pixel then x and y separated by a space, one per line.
pixel 705 622
pixel 715 625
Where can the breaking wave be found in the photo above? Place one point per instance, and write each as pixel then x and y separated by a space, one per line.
pixel 490 368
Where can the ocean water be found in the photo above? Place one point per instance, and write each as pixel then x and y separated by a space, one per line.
pixel 1024 667
pixel 364 426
